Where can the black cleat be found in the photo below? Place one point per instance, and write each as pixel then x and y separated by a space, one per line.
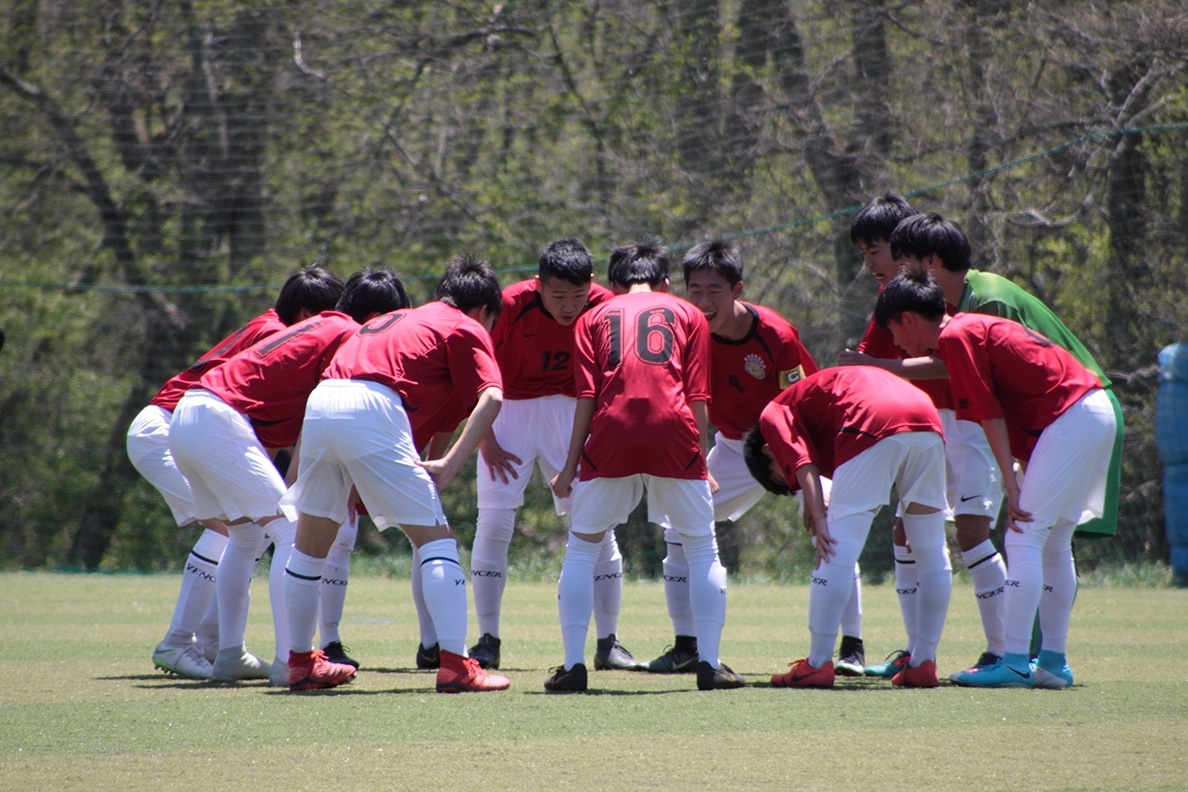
pixel 486 651
pixel 337 653
pixel 611 656
pixel 987 659
pixel 720 678
pixel 567 680
pixel 428 659
pixel 680 658
pixel 851 657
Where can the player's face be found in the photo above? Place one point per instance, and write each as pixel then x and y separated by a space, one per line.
pixel 876 256
pixel 713 295
pixel 906 335
pixel 773 467
pixel 562 299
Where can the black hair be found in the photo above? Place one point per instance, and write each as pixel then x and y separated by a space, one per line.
pixel 632 264
pixel 470 283
pixel 312 288
pixel 930 233
pixel 718 255
pixel 759 463
pixel 914 290
pixel 369 292
pixel 568 260
pixel 879 218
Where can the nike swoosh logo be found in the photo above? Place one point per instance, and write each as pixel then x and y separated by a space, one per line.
pixel 971 497
pixel 529 335
pixel 1019 674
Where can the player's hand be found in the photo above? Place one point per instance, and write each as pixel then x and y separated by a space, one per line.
pixel 713 484
pixel 848 357
pixel 1015 514
pixel 498 461
pixel 823 543
pixel 440 472
pixel 562 484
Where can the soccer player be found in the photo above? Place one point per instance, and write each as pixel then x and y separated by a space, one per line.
pixel 973 491
pixel 641 422
pixel 754 354
pixel 533 342
pixel 220 436
pixel 1038 404
pixel 192 640
pixel 403 379
pixel 867 430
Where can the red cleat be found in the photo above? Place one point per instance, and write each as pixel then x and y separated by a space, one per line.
pixel 922 676
pixel 805 676
pixel 312 671
pixel 460 674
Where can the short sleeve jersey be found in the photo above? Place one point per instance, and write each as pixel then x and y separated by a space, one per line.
pixel 643 357
pixel 994 295
pixel 1000 369
pixel 271 381
pixel 748 373
pixel 879 343
pixel 832 416
pixel 535 351
pixel 435 357
pixel 259 328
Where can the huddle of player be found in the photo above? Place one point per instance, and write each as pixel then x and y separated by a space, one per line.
pixel 613 393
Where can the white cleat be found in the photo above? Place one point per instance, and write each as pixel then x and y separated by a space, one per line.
pixel 237 663
pixel 185 661
pixel 279 676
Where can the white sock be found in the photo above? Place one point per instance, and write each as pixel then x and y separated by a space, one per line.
pixel 335 576
pixel 488 565
pixel 197 588
pixel 676 590
pixel 1025 572
pixel 575 596
pixel 608 586
pixel 926 535
pixel 235 580
pixel 1060 587
pixel 283 532
pixel 989 580
pixel 444 585
pixel 907 581
pixel 851 622
pixel 424 620
pixel 832 583
pixel 707 595
pixel 302 587
pixel 207 633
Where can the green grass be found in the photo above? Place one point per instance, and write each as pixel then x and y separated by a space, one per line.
pixel 83 708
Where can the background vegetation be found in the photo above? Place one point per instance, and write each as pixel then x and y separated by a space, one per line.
pixel 164 166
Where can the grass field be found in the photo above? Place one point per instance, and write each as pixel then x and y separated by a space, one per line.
pixel 84 709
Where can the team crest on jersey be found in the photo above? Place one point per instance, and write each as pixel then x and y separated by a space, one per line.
pixel 754 365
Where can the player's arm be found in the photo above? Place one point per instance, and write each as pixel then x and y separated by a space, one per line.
pixel 562 483
pixel 498 461
pixel 478 426
pixel 920 368
pixel 701 416
pixel 1000 445
pixel 809 478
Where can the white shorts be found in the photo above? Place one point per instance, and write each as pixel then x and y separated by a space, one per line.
pixel 1066 476
pixel 148 448
pixel 532 429
pixel 682 504
pixel 357 433
pixel 216 449
pixel 971 472
pixel 737 489
pixel 913 461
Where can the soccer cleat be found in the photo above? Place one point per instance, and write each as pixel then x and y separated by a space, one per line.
pixel 922 676
pixel 567 680
pixel 209 650
pixel 895 662
pixel 1052 679
pixel 237 663
pixel 680 658
pixel 720 678
pixel 987 659
pixel 460 674
pixel 185 661
pixel 995 676
pixel 851 657
pixel 337 653
pixel 611 656
pixel 315 671
pixel 486 651
pixel 278 675
pixel 428 659
pixel 804 675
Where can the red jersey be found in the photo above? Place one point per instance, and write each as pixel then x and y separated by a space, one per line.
pixel 748 373
pixel 642 357
pixel 832 416
pixel 271 381
pixel 259 328
pixel 1000 369
pixel 534 351
pixel 437 358
pixel 879 343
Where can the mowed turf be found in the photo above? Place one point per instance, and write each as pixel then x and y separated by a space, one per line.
pixel 82 707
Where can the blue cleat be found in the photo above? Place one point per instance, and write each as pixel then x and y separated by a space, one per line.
pixel 995 676
pixel 895 662
pixel 1051 671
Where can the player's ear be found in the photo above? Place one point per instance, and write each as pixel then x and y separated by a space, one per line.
pixel 303 314
pixel 737 291
pixel 663 287
pixel 767 451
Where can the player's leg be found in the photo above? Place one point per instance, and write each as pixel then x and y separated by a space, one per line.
pixel 609 654
pixel 335 577
pixel 428 656
pixel 851 654
pixel 282 532
pixel 907 581
pixel 681 656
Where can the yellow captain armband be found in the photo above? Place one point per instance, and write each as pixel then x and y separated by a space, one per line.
pixel 791 376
